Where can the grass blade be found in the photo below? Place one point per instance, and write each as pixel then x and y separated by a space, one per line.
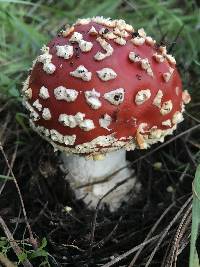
pixel 5 177
pixel 194 257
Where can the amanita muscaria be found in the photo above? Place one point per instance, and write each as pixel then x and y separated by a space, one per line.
pixel 100 88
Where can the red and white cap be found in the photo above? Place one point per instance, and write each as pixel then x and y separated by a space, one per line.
pixel 100 86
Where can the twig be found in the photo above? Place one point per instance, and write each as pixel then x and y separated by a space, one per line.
pixel 11 164
pixel 4 127
pixel 13 243
pixel 107 238
pixel 185 225
pixel 5 261
pixel 150 233
pixel 167 230
pixel 33 241
pixel 96 212
pixel 131 251
pixel 174 252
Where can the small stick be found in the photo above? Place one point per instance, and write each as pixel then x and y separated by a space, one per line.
pixel 33 241
pixel 13 243
pixel 11 164
pixel 96 212
pixel 150 233
pixel 5 261
pixel 188 202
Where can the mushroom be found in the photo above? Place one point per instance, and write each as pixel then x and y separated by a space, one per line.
pixel 97 90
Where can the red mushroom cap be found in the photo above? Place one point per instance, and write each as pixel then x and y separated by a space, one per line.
pixel 99 86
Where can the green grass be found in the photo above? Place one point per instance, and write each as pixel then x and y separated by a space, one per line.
pixel 194 259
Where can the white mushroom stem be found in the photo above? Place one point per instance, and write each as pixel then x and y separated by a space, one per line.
pixel 92 179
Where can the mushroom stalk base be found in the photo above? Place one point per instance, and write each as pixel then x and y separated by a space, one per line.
pixel 92 179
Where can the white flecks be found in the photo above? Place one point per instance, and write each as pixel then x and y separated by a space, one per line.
pixel 108 143
pixel 33 63
pixel 186 97
pixel 150 41
pixel 103 31
pixel 69 140
pixel 167 75
pixel 78 38
pixel 33 114
pixel 142 33
pixel 129 28
pixel 120 33
pixel 87 125
pixel 46 132
pixel 170 59
pixel 62 93
pixel 41 129
pixel 138 41
pixel 142 96
pixel 120 24
pixel 85 46
pixel 155 133
pixel 93 31
pixel 115 97
pixel 56 136
pixel 28 93
pixel 82 73
pixel 77 120
pixel 163 49
pixel 82 21
pixel 158 135
pixel 44 93
pixel 167 123
pixel 49 68
pixel 45 58
pixel 105 121
pixel 109 35
pixel 37 105
pixel 146 66
pixel 134 57
pixel 26 84
pixel 166 107
pixel 159 58
pixel 92 98
pixel 106 46
pixel 158 99
pixel 104 21
pixel 67 31
pixel 120 41
pixel 106 74
pixel 71 121
pixel 65 51
pixel 177 117
pixel 46 114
